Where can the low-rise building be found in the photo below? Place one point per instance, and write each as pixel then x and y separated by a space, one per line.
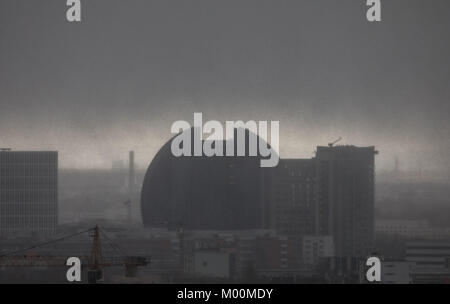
pixel 315 249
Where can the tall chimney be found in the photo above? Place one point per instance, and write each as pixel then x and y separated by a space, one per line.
pixel 131 173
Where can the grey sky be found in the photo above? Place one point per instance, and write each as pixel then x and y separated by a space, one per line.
pixel 119 79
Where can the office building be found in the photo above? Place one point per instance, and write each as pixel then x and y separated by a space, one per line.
pixel 345 200
pixel 330 195
pixel 28 193
pixel 292 197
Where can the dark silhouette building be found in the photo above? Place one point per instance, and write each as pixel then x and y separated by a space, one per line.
pixel 292 197
pixel 202 193
pixel 28 193
pixel 331 194
pixel 345 182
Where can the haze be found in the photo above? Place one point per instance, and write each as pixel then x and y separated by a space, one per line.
pixel 117 80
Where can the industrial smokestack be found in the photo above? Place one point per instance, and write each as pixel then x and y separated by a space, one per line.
pixel 131 177
pixel 131 173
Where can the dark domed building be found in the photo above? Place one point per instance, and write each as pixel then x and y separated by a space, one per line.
pixel 205 193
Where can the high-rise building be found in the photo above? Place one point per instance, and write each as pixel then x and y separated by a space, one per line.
pixel 292 196
pixel 345 200
pixel 28 193
pixel 330 195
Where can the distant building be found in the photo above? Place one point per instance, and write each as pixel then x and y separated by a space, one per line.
pixel 212 264
pixel 397 272
pixel 118 165
pixel 250 252
pixel 271 252
pixel 315 249
pixel 331 195
pixel 205 193
pixel 292 197
pixel 28 193
pixel 406 228
pixel 410 229
pixel 345 201
pixel 428 254
pixel 431 259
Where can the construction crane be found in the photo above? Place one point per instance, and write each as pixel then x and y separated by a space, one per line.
pixel 94 263
pixel 331 144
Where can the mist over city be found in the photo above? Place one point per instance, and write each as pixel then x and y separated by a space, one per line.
pixel 117 81
pixel 86 110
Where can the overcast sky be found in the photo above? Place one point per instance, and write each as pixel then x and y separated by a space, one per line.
pixel 117 80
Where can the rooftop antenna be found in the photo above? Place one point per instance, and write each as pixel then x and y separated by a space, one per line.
pixel 331 144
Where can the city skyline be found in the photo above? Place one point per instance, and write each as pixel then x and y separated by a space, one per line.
pixel 224 141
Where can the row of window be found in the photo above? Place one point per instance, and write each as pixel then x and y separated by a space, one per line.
pixel 28 182
pixel 30 156
pixel 29 196
pixel 28 222
pixel 27 209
